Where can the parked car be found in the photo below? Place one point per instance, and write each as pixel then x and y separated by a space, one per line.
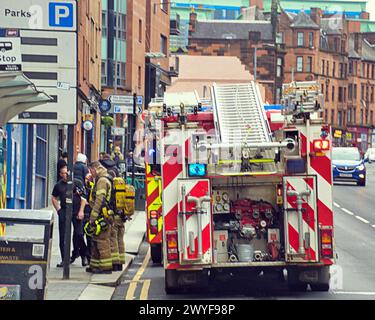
pixel 347 165
pixel 370 155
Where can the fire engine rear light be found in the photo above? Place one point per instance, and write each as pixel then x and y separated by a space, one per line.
pixel 279 193
pixel 154 222
pixel 172 245
pixel 321 145
pixel 326 243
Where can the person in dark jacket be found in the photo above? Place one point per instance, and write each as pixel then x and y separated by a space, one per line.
pixel 80 169
pixel 79 203
pixel 110 165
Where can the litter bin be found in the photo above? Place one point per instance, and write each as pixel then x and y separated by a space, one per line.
pixel 25 251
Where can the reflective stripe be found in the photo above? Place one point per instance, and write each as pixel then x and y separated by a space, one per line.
pixel 122 258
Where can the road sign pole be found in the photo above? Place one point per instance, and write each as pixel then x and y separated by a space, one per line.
pixel 133 134
pixel 69 205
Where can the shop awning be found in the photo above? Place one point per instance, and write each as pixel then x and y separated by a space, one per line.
pixel 18 94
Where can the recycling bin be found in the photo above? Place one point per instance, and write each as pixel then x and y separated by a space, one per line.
pixel 25 252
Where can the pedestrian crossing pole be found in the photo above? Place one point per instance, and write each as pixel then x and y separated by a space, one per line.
pixel 69 205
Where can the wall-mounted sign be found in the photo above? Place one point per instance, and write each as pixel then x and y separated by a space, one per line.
pixel 117 131
pixel 39 14
pixel 88 117
pixel 104 106
pixel 124 109
pixel 10 54
pixel 337 134
pixel 87 125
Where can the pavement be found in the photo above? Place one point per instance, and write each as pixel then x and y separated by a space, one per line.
pixel 86 286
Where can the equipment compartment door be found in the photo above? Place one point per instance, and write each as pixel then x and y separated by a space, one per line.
pixel 194 221
pixel 301 219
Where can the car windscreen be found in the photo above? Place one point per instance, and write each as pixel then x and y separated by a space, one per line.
pixel 346 154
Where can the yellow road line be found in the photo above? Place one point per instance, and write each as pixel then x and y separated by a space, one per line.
pixel 145 289
pixel 138 275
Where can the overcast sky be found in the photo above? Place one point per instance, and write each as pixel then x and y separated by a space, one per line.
pixel 371 8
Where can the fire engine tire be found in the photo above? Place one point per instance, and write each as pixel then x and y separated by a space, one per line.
pixel 156 253
pixel 320 287
pixel 297 287
pixel 171 282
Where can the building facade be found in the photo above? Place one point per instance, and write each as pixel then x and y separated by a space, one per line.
pixel 253 42
pixel 135 51
pixel 32 151
pixel 89 77
pixel 332 51
pixel 207 10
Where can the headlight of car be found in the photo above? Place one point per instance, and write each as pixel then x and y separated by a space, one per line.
pixel 361 167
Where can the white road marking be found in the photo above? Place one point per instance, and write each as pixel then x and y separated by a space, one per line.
pixel 336 205
pixel 354 293
pixel 361 219
pixel 347 211
pixel 373 226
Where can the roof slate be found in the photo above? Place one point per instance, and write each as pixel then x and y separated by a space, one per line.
pixel 231 29
pixel 303 20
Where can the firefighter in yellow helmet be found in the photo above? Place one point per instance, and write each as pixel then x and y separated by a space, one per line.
pixel 101 219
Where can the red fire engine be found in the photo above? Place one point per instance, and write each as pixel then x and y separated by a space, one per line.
pixel 237 196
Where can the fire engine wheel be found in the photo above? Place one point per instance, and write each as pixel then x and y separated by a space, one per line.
pixel 171 282
pixel 297 287
pixel 156 253
pixel 320 287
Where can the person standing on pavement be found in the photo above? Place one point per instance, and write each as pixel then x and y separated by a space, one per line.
pixel 89 185
pixel 118 227
pixel 110 165
pixel 80 169
pixel 59 195
pixel 117 156
pixel 63 162
pixel 79 202
pixel 101 219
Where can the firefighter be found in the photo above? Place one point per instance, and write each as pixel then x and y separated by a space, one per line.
pixel 117 241
pixel 101 219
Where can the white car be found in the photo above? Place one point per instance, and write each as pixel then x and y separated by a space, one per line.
pixel 370 155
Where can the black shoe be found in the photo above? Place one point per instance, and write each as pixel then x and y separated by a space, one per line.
pixel 89 270
pixel 102 272
pixel 84 262
pixel 117 267
pixel 60 265
pixel 72 259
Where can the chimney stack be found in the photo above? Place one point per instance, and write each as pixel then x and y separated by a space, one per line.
pixel 316 15
pixel 256 3
pixel 192 23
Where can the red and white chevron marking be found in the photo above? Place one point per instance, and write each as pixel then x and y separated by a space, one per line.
pixel 300 184
pixel 321 167
pixel 172 171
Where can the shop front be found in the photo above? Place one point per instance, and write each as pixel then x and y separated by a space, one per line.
pixel 360 138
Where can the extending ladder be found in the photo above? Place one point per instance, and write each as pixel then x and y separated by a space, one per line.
pixel 239 114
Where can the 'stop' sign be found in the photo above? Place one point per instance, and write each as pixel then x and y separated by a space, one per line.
pixel 39 14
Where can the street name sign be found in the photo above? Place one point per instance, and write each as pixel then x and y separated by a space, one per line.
pixel 122 100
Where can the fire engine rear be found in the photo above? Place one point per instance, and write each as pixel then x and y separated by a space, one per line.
pixel 236 196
